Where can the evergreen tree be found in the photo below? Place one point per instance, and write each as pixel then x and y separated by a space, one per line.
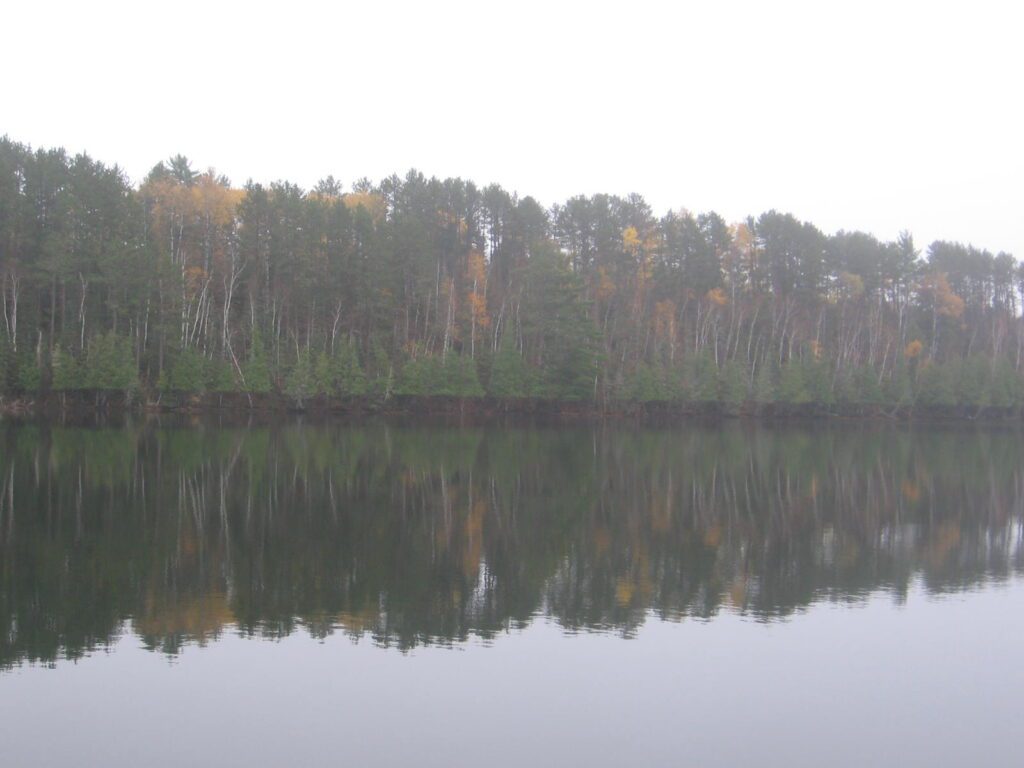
pixel 817 376
pixel 764 384
pixel 300 383
pixel 30 374
pixel 66 371
pixel 109 364
pixel 510 377
pixel 8 367
pixel 257 369
pixel 899 388
pixel 186 373
pixel 936 385
pixel 461 377
pixel 792 388
pixel 733 384
pixel 866 385
pixel 347 376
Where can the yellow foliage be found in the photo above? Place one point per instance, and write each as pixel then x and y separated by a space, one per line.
pixel 717 297
pixel 478 306
pixel 913 349
pixel 624 590
pixel 742 237
pixel 199 618
pixel 631 240
pixel 374 204
pixel 664 318
pixel 476 267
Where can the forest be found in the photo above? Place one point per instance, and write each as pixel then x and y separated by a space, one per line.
pixel 416 286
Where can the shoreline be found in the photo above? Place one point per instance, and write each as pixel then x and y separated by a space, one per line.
pixel 88 403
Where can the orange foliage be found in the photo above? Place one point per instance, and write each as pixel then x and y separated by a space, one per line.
pixel 716 297
pixel 911 491
pixel 947 303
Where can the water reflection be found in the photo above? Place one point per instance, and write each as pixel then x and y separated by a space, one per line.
pixel 411 535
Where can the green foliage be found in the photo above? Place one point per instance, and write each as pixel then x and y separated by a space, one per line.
pixel 972 385
pixel 899 388
pixel 461 376
pixel 649 383
pixel 1006 387
pixel 452 376
pixel 256 370
pixel 340 375
pixel 68 373
pixel 300 384
pixel 185 373
pixel 599 290
pixel 733 383
pixel 382 370
pixel 700 375
pixel 764 384
pixel 868 390
pixel 110 364
pixel 936 385
pixel 792 387
pixel 564 341
pixel 510 376
pixel 219 376
pixel 30 375
pixel 817 376
pixel 8 367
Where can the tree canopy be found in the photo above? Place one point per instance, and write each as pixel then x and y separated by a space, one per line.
pixel 437 286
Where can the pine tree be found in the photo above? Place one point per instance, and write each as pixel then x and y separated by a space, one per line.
pixel 219 376
pixel 792 389
pixel 461 377
pixel 509 375
pixel 109 364
pixel 817 375
pixel 186 373
pixel 733 383
pixel 764 384
pixel 256 368
pixel 300 383
pixel 67 372
pixel 866 385
pixel 935 385
pixel 349 379
pixel 30 374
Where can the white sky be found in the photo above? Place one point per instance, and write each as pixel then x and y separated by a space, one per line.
pixel 869 115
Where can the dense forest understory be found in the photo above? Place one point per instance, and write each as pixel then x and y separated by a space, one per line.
pixel 187 291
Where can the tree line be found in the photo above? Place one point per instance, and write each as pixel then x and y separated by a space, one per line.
pixel 422 286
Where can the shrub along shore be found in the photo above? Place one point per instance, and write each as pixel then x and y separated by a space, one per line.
pixel 105 380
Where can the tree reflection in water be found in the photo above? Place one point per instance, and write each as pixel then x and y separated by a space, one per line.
pixel 425 534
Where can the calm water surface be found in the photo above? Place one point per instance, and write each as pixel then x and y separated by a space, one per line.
pixel 310 594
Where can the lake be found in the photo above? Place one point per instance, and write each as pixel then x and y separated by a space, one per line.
pixel 510 595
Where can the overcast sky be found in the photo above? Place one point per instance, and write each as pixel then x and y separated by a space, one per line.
pixel 870 115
